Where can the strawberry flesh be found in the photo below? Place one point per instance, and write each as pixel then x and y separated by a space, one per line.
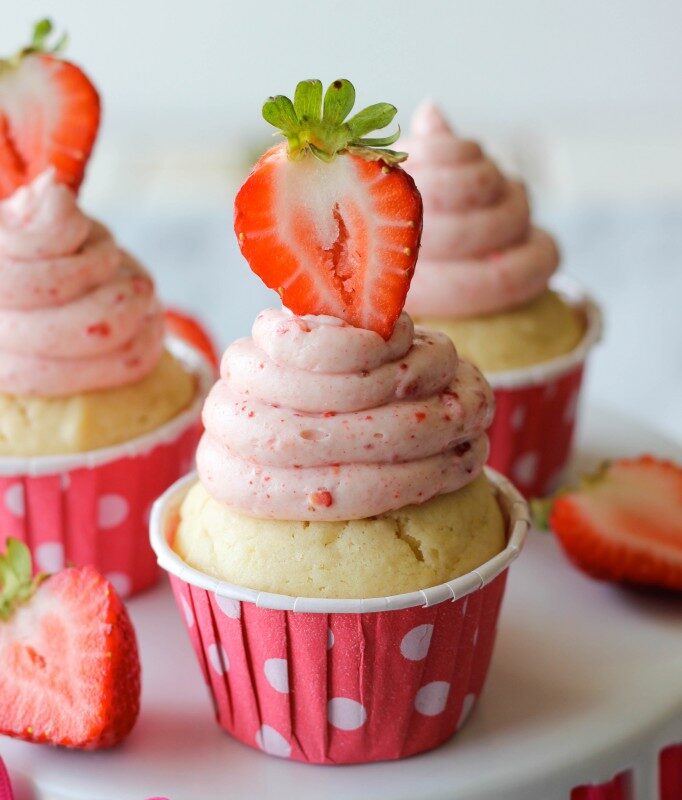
pixel 49 117
pixel 69 665
pixel 626 525
pixel 338 238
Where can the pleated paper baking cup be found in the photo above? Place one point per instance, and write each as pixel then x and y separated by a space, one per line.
pixel 341 681
pixel 93 508
pixel 536 407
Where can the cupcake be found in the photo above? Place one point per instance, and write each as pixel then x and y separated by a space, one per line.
pixel 341 471
pixel 486 280
pixel 98 412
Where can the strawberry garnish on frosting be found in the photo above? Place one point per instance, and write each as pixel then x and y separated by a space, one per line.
pixel 49 115
pixel 328 218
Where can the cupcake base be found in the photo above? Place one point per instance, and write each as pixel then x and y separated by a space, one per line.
pixel 342 681
pixel 536 408
pixel 93 508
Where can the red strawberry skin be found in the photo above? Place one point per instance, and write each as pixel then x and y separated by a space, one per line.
pixel 192 332
pixel 49 116
pixel 626 525
pixel 338 238
pixel 69 665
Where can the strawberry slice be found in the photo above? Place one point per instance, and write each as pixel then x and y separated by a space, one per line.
pixel 49 115
pixel 193 333
pixel 625 523
pixel 69 666
pixel 328 218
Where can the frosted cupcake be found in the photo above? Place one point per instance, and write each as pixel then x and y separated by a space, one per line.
pixel 341 470
pixel 485 280
pixel 97 414
pixel 321 481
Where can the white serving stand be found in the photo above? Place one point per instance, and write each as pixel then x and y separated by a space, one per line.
pixel 586 681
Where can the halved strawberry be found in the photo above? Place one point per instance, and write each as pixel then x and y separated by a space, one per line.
pixel 49 115
pixel 625 523
pixel 69 666
pixel 189 330
pixel 328 218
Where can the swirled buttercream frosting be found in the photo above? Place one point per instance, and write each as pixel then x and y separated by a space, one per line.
pixel 313 419
pixel 480 254
pixel 77 313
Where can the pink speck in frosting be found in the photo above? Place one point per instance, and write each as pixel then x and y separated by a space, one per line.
pixel 99 329
pixel 321 497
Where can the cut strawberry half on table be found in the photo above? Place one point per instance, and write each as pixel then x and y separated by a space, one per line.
pixel 69 666
pixel 328 218
pixel 49 115
pixel 624 523
pixel 192 332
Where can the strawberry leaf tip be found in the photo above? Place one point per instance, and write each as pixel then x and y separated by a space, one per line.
pixel 42 31
pixel 17 583
pixel 317 125
pixel 40 43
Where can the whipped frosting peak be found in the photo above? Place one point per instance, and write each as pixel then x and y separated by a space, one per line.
pixel 480 253
pixel 428 120
pixel 313 419
pixel 76 312
pixel 42 220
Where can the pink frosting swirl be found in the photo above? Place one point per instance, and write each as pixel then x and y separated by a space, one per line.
pixel 313 419
pixel 76 312
pixel 479 252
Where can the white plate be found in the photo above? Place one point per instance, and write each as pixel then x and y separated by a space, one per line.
pixel 585 681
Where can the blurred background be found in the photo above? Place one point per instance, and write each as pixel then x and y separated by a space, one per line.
pixel 582 98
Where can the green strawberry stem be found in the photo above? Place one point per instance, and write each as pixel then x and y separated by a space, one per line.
pixel 17 583
pixel 40 43
pixel 317 125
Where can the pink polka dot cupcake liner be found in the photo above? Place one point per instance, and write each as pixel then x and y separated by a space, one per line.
pixel 94 508
pixel 329 681
pixel 536 407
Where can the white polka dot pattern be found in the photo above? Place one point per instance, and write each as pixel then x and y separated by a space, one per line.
pixel 415 643
pixel 525 468
pixel 518 417
pixel 346 714
pixel 14 500
pixel 49 556
pixel 432 698
pixel 276 674
pixel 218 658
pixel 231 608
pixel 187 610
pixel 272 742
pixel 112 510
